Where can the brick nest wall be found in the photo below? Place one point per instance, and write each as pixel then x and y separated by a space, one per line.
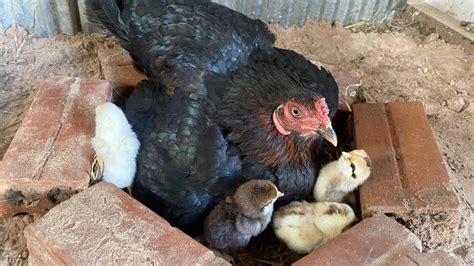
pixel 49 161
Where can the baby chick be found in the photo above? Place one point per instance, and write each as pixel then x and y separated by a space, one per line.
pixel 247 213
pixel 116 145
pixel 304 226
pixel 338 178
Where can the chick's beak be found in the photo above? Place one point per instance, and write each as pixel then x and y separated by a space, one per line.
pixel 280 194
pixel 328 134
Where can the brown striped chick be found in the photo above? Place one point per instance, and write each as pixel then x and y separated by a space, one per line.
pixel 339 178
pixel 231 224
pixel 304 226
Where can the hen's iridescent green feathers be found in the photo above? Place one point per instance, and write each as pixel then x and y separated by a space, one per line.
pixel 183 154
pixel 176 41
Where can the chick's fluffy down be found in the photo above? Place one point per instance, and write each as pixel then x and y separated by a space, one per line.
pixel 304 226
pixel 116 143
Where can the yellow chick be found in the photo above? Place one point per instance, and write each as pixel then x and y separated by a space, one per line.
pixel 304 226
pixel 338 179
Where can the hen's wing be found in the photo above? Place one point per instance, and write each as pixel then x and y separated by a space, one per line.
pixel 175 41
pixel 183 157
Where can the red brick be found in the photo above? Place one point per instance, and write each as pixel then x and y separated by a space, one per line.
pixel 373 241
pixel 103 225
pixel 117 67
pixel 51 148
pixel 409 180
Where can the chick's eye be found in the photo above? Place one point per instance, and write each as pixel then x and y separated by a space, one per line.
pixel 353 170
pixel 295 112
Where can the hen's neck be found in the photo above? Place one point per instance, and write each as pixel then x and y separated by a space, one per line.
pixel 267 146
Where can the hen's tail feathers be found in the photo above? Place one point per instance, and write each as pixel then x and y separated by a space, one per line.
pixel 108 14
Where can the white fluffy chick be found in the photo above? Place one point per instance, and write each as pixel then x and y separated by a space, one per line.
pixel 338 179
pixel 304 226
pixel 116 144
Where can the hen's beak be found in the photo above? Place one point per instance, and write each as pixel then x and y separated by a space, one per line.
pixel 328 134
pixel 280 194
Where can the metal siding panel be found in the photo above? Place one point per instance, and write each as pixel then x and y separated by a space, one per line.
pixel 306 13
pixel 357 12
pixel 344 8
pixel 329 10
pixel 315 10
pixel 368 14
pixel 274 11
pixel 41 17
pixel 49 17
pixel 286 13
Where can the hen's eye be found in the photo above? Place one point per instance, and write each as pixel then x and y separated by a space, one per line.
pixel 295 112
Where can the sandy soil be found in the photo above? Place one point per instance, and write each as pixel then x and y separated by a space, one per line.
pixel 399 64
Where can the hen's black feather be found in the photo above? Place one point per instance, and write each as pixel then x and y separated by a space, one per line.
pixel 208 126
pixel 183 153
pixel 176 41
pixel 303 72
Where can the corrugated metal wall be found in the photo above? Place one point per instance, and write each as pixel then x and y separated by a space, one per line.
pixel 41 17
pixel 296 12
pixel 49 17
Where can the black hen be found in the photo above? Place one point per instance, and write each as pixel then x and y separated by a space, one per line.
pixel 231 106
pixel 176 41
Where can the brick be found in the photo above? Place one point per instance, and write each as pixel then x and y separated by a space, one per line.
pixel 117 67
pixel 415 258
pixel 103 225
pixel 51 151
pixel 409 180
pixel 371 242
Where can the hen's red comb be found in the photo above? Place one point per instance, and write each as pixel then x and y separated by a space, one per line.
pixel 322 110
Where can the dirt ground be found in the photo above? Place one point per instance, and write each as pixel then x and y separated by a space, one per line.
pixel 398 62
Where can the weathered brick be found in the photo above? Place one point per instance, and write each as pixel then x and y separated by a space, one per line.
pixel 373 241
pixel 409 180
pixel 117 67
pixel 416 258
pixel 103 225
pixel 51 148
